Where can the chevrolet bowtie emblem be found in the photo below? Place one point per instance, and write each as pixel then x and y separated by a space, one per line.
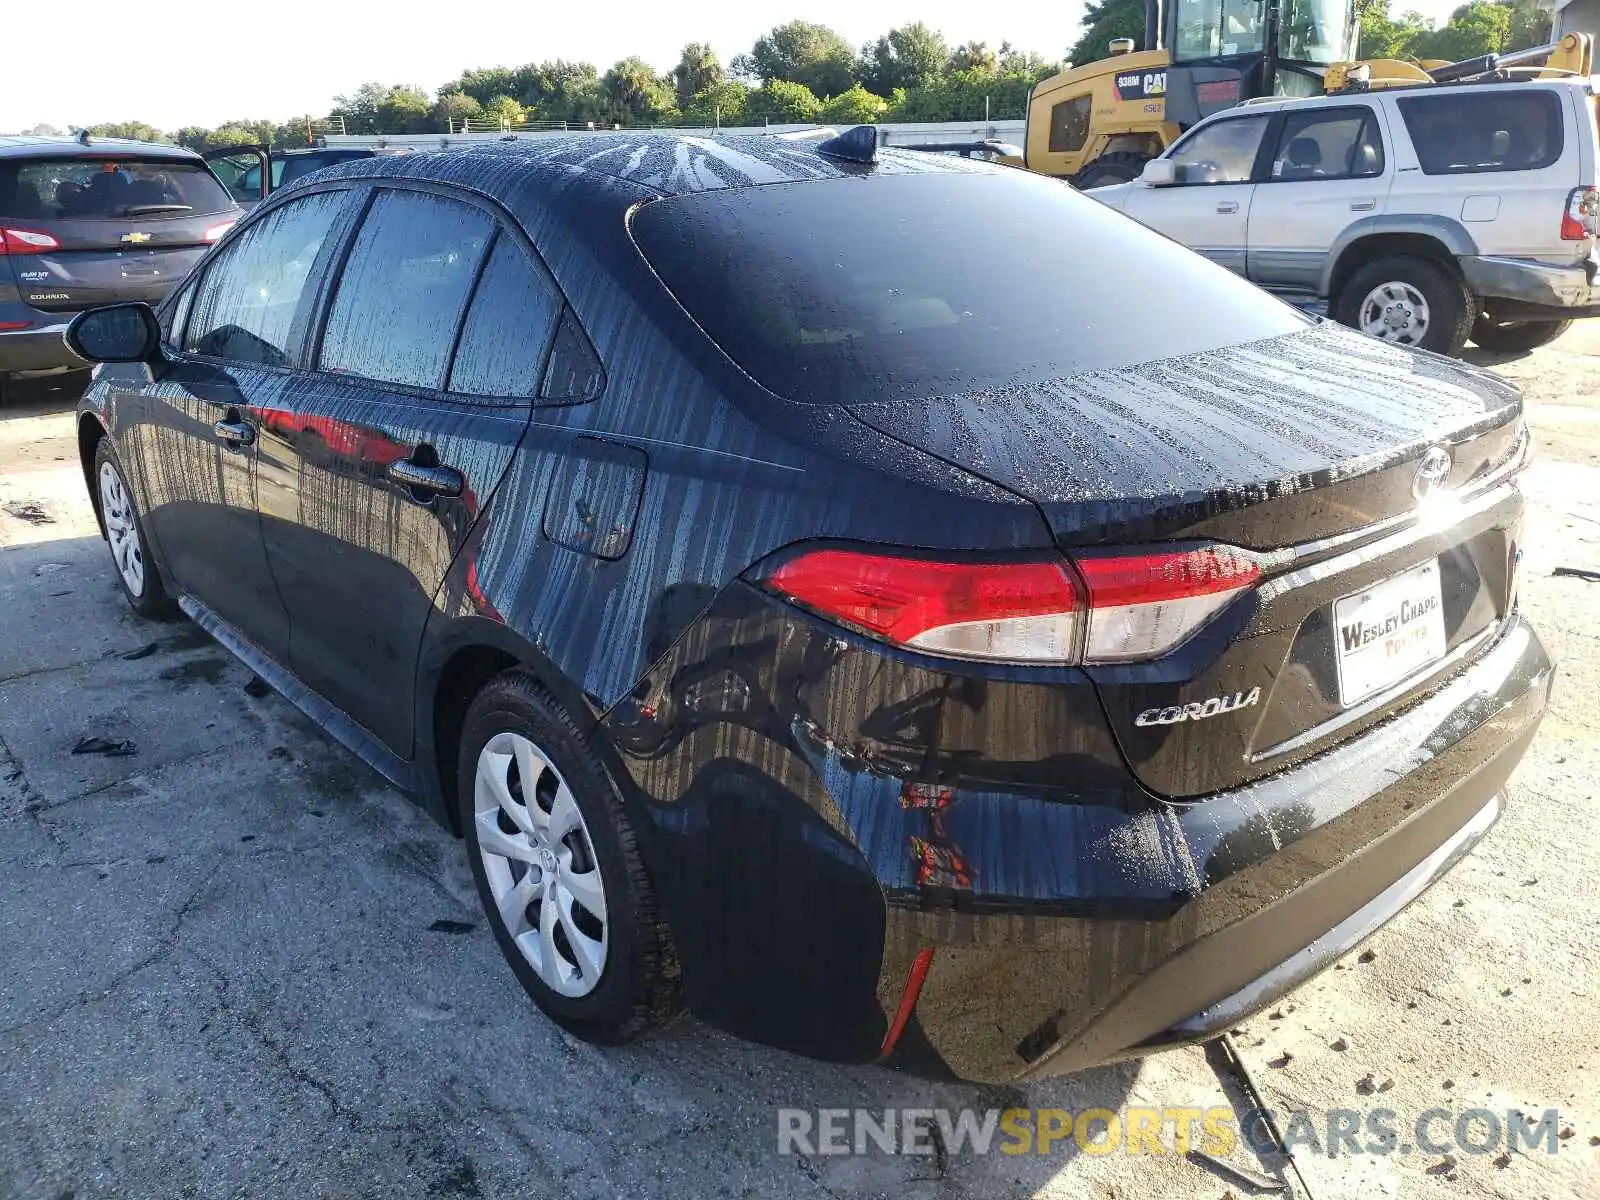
pixel 136 237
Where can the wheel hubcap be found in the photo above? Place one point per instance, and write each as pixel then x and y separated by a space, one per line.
pixel 122 531
pixel 541 866
pixel 1395 312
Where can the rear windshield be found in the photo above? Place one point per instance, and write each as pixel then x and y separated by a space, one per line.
pixel 73 189
pixel 907 286
pixel 1484 131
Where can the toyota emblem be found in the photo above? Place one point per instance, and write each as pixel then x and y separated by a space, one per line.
pixel 1432 471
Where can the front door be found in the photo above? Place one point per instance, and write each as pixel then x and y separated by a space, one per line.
pixel 1208 207
pixel 1328 171
pixel 236 331
pixel 375 469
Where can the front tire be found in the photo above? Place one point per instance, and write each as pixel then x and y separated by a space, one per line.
pixel 1409 301
pixel 558 868
pixel 1123 166
pixel 124 530
pixel 1515 337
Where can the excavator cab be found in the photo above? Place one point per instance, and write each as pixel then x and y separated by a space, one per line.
pixel 1101 122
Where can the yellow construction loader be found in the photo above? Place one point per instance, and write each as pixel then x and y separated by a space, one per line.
pixel 1101 122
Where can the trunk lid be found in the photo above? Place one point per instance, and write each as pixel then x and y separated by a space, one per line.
pixel 1305 448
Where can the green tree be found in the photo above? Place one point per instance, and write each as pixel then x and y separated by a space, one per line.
pixel 505 111
pixel 1382 36
pixel 966 96
pixel 1530 25
pixel 405 110
pixel 974 56
pixel 782 102
pixel 360 108
pixel 485 83
pixel 800 52
pixel 856 106
pixel 907 57
pixel 138 131
pixel 452 108
pixel 723 104
pixel 1104 20
pixel 697 71
pixel 1481 27
pixel 639 96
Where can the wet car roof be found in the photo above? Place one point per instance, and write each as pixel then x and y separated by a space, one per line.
pixel 34 146
pixel 668 164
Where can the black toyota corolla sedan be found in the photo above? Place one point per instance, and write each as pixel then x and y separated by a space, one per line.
pixel 889 605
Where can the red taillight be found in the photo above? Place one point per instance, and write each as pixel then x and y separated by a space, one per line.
pixel 1143 605
pixel 1125 607
pixel 26 241
pixel 216 231
pixel 1027 611
pixel 1580 219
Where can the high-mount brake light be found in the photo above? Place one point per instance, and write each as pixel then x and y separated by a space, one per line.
pixel 1119 607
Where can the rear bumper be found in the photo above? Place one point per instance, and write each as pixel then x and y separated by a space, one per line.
pixel 1525 288
pixel 817 811
pixel 1355 834
pixel 40 349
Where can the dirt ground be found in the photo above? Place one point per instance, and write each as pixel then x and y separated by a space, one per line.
pixel 237 964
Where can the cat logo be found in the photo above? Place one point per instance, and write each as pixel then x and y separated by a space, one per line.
pixel 136 238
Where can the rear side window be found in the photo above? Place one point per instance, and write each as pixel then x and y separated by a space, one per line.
pixel 78 189
pixel 1069 125
pixel 403 289
pixel 244 307
pixel 513 314
pixel 1495 130
pixel 897 287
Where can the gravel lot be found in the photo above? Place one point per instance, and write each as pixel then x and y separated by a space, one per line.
pixel 237 964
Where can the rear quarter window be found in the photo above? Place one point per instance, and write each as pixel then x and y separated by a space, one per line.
pixel 1465 133
pixel 74 189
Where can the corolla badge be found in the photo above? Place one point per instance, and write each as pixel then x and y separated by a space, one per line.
pixel 1432 471
pixel 1214 707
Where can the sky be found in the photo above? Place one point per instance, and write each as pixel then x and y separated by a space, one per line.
pixel 186 63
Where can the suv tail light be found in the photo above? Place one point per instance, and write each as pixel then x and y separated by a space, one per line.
pixel 1582 218
pixel 1096 608
pixel 26 241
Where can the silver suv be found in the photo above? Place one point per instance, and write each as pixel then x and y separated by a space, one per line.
pixel 1422 215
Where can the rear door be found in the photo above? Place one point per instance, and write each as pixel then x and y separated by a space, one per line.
pixel 107 225
pixel 374 471
pixel 1208 209
pixel 1328 170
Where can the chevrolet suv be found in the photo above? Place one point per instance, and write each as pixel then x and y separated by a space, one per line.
pixel 1422 216
pixel 87 221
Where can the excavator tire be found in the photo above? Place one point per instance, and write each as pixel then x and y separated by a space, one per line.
pixel 1120 166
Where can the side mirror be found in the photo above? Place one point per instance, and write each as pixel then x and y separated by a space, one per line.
pixel 1159 172
pixel 116 333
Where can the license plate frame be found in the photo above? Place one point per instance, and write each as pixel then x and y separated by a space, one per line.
pixel 1401 633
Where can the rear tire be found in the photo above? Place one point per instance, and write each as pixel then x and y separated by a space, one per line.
pixel 124 530
pixel 1515 337
pixel 1122 166
pixel 1409 301
pixel 558 867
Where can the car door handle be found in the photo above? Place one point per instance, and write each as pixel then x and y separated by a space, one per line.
pixel 233 432
pixel 428 480
pixel 1228 206
pixel 1363 205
